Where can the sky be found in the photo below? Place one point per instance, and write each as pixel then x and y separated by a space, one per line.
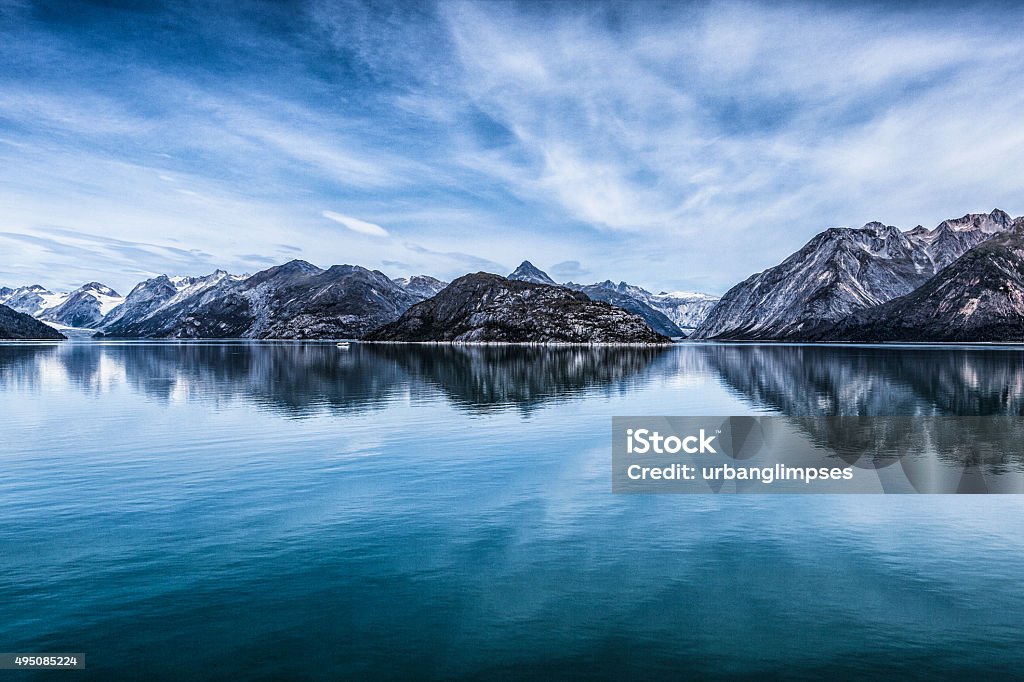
pixel 678 146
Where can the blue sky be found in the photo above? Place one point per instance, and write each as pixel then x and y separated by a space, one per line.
pixel 676 146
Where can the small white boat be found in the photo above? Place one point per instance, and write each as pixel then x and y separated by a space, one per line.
pixel 343 344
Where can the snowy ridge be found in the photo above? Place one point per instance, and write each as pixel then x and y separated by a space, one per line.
pixel 82 308
pixel 421 285
pixel 685 310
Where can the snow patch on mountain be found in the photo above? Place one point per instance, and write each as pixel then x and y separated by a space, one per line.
pixel 423 286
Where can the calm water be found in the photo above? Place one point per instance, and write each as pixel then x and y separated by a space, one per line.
pixel 262 511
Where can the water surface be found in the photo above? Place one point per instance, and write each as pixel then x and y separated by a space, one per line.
pixel 296 511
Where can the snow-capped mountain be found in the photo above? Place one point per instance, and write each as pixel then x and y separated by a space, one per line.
pixel 32 300
pixel 528 272
pixel 84 307
pixel 952 238
pixel 662 312
pixel 655 319
pixel 423 286
pixel 839 272
pixel 685 309
pixel 148 298
pixel 296 300
pixel 978 297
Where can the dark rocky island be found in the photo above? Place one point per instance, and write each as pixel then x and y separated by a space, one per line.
pixel 486 308
pixel 656 320
pixel 15 325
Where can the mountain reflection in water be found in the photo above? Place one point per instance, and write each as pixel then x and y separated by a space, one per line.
pixel 781 379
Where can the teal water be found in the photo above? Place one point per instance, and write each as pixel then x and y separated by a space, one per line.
pixel 290 511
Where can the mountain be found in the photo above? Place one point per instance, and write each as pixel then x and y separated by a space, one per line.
pixel 667 314
pixel 952 238
pixel 15 325
pixel 841 271
pixel 655 319
pixel 296 300
pixel 685 310
pixel 32 300
pixel 149 298
pixel 423 286
pixel 528 272
pixel 489 308
pixel 978 297
pixel 85 307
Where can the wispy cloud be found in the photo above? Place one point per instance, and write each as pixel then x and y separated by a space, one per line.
pixel 679 146
pixel 356 225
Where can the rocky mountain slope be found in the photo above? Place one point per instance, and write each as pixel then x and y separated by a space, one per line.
pixel 655 319
pixel 15 325
pixel 662 312
pixel 423 286
pixel 684 309
pixel 952 238
pixel 489 308
pixel 296 300
pixel 841 271
pixel 149 298
pixel 978 297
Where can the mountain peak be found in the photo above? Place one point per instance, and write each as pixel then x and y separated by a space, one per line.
pixel 424 286
pixel 299 265
pixel 528 272
pixel 99 288
pixel 987 223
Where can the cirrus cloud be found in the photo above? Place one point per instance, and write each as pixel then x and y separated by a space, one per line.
pixel 357 225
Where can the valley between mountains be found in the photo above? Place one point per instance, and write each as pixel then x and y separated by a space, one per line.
pixel 962 280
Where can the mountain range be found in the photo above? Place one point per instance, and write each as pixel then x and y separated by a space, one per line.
pixel 962 280
pixel 670 314
pixel 84 307
pixel 977 297
pixel 298 300
pixel 841 272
